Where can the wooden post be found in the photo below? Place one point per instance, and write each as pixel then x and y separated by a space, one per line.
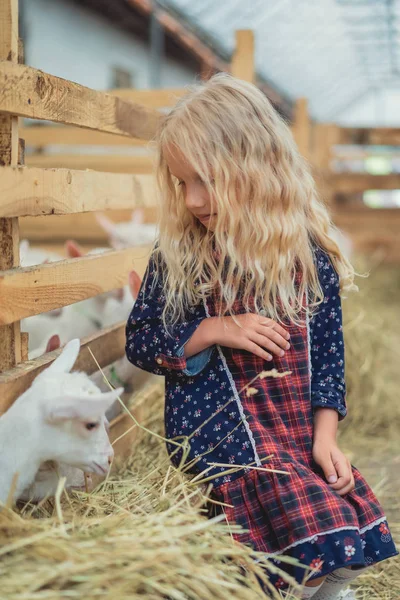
pixel 301 127
pixel 325 136
pixel 243 58
pixel 10 336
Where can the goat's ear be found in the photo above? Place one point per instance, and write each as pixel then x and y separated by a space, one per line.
pixel 53 343
pixel 137 216
pixel 134 284
pixel 73 249
pixel 83 408
pixel 105 223
pixel 67 358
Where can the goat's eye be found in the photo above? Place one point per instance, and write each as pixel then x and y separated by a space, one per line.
pixel 90 426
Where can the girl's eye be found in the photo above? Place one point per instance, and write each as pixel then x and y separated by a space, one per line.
pixel 91 426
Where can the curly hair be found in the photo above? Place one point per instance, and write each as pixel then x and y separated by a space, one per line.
pixel 269 215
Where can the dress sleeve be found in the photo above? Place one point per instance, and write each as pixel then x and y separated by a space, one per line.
pixel 149 345
pixel 328 388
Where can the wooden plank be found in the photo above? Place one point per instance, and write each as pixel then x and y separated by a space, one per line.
pixel 9 30
pixel 10 336
pixel 28 92
pixel 380 136
pixel 82 227
pixel 107 346
pixel 140 164
pixel 30 191
pixel 121 426
pixel 351 183
pixel 60 135
pixel 242 65
pixel 33 290
pixel 301 127
pixel 372 230
pixel 155 99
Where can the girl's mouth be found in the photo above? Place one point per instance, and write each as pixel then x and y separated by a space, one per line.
pixel 204 218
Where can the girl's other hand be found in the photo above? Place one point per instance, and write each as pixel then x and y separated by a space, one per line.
pixel 260 335
pixel 337 468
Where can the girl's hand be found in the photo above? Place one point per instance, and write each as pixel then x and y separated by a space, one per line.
pixel 337 468
pixel 251 332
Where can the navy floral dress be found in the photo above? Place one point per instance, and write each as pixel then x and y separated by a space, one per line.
pixel 293 512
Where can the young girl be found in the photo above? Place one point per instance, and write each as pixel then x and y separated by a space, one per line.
pixel 245 278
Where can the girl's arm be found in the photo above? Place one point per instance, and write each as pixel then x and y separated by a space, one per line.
pixel 328 389
pixel 327 380
pixel 149 345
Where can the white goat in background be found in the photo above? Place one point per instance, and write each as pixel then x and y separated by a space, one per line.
pixel 130 233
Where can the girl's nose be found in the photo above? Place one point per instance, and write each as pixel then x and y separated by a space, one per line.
pixel 194 200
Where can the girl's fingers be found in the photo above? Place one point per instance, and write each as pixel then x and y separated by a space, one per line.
pixel 257 350
pixel 275 336
pixel 275 326
pixel 346 489
pixel 268 344
pixel 345 476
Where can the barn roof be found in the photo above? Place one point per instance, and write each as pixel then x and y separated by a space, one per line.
pixel 334 52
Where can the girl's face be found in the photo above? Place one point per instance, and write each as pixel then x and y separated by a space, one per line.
pixel 197 198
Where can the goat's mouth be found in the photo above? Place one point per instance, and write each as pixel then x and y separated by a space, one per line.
pixel 94 467
pixel 100 469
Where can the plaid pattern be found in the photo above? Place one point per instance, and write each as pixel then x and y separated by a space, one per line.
pixel 206 404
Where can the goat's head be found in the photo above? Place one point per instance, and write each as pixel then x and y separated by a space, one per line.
pixel 74 429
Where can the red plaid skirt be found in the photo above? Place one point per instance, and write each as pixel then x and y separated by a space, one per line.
pixel 279 510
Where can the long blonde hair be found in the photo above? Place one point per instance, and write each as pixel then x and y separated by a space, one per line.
pixel 269 214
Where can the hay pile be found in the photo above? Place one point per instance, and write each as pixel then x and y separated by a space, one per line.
pixel 372 336
pixel 143 532
pixel 370 433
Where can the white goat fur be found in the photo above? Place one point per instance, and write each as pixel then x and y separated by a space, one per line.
pixel 48 422
pixel 130 233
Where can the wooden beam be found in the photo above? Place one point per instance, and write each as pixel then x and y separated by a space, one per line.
pixel 242 65
pixel 33 290
pixel 30 191
pixel 107 346
pixel 372 230
pixel 351 183
pixel 28 92
pixel 155 99
pixel 379 136
pixel 82 227
pixel 10 336
pixel 60 135
pixel 302 127
pixel 98 162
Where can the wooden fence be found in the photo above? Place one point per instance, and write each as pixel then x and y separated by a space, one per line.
pixel 36 191
pixel 48 195
pixel 370 229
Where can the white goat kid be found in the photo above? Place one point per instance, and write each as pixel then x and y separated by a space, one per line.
pixel 29 257
pixel 60 417
pixel 131 233
pixel 48 477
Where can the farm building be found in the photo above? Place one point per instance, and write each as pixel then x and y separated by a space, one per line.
pixel 85 86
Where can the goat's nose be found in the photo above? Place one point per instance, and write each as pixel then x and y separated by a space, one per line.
pixel 110 460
